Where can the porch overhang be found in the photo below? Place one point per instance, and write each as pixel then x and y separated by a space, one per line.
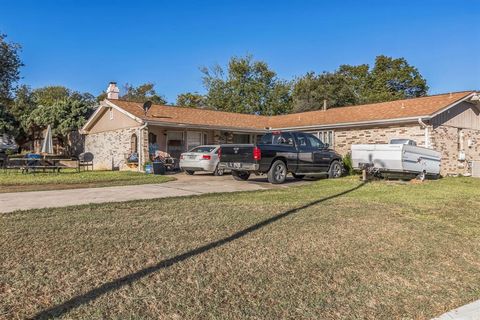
pixel 187 126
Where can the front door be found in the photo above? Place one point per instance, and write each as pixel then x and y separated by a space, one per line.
pixel 175 143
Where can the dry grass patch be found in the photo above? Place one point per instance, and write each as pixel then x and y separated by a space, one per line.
pixel 382 251
pixel 71 179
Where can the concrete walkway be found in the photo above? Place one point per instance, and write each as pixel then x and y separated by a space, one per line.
pixel 184 186
pixel 469 311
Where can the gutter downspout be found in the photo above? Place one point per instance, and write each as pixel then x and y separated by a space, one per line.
pixel 139 147
pixel 427 133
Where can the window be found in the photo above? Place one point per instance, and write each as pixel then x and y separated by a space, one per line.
pixel 326 137
pixel 110 113
pixel 313 142
pixel 241 138
pixel 134 143
pixel 283 139
pixel 203 149
pixel 194 139
pixel 309 141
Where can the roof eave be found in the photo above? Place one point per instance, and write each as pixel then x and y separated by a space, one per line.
pixel 212 127
pixel 357 123
pixel 467 97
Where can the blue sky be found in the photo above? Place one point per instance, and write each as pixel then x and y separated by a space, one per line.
pixel 85 44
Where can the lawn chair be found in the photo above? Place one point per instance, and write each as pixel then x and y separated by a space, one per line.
pixel 85 160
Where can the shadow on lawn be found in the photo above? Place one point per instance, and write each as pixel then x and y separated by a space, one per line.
pixel 93 294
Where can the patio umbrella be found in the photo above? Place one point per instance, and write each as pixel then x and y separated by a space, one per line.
pixel 47 146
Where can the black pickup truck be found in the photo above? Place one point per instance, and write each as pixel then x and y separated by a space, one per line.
pixel 279 153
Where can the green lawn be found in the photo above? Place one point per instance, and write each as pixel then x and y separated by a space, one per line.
pixel 71 179
pixel 321 251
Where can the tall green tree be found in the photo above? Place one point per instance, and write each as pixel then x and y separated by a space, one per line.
pixel 65 110
pixel 7 121
pixel 311 91
pixel 10 64
pixel 393 79
pixel 389 79
pixel 21 108
pixel 142 93
pixel 192 100
pixel 247 86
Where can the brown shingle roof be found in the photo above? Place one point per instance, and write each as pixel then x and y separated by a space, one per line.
pixel 407 108
pixel 424 106
pixel 193 116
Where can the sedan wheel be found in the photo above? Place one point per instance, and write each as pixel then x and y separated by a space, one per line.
pixel 218 171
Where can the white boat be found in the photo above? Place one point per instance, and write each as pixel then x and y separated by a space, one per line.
pixel 401 158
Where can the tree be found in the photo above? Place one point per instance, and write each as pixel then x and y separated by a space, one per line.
pixel 22 106
pixel 393 79
pixel 247 86
pixel 311 91
pixel 7 121
pixel 63 109
pixel 192 100
pixel 10 64
pixel 389 79
pixel 143 93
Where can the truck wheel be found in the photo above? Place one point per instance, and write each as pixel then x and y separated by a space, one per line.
pixel 277 173
pixel 189 172
pixel 298 176
pixel 240 175
pixel 335 170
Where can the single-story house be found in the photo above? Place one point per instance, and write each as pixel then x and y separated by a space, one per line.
pixel 449 123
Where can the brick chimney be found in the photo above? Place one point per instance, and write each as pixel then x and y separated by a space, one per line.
pixel 112 91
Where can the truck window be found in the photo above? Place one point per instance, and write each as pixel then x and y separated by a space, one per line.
pixel 283 138
pixel 306 140
pixel 314 142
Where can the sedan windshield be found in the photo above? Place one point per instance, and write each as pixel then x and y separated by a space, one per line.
pixel 203 149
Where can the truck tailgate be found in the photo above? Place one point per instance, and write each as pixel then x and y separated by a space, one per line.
pixel 237 153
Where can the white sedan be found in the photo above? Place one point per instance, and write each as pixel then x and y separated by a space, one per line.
pixel 201 158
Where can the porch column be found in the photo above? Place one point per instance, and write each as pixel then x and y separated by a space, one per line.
pixel 143 140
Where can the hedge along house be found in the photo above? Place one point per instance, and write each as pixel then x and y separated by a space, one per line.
pixel 449 123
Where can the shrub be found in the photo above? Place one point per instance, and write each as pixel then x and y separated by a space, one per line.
pixel 347 163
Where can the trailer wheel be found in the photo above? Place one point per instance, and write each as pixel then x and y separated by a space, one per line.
pixel 421 176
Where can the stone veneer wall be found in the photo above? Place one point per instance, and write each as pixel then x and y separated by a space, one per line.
pixel 346 137
pixel 110 148
pixel 443 138
pixel 448 140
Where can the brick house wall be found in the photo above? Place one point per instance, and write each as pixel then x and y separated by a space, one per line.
pixel 344 138
pixel 445 139
pixel 110 148
pixel 451 141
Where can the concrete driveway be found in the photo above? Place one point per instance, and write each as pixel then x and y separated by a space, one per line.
pixel 184 186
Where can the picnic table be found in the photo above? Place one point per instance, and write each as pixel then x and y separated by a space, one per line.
pixel 34 164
